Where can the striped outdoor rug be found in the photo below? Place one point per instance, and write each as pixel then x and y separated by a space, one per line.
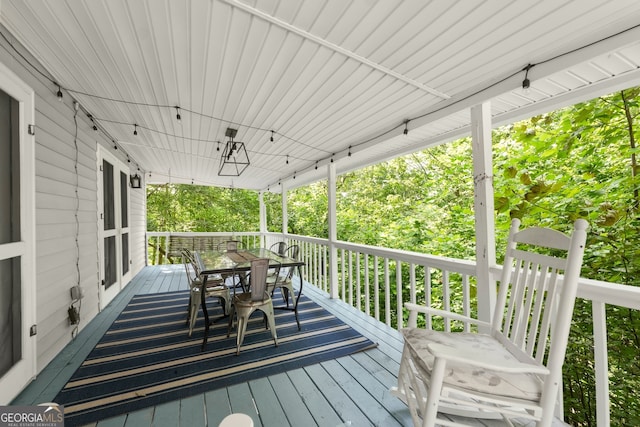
pixel 146 357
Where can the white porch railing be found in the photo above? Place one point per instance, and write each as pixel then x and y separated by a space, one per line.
pixel 367 275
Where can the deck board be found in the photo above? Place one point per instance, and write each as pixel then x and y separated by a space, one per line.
pixel 352 390
pixel 271 411
pixel 290 399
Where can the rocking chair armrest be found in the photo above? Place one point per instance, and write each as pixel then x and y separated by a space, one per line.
pixel 414 309
pixel 480 360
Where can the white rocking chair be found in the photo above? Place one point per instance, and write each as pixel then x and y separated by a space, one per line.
pixel 514 370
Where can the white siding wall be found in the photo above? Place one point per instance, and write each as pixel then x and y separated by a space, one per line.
pixel 138 226
pixel 62 195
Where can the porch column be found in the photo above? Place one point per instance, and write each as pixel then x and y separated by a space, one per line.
pixel 483 207
pixel 263 220
pixel 333 234
pixel 285 217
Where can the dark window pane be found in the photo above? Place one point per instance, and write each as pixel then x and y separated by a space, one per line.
pixel 107 185
pixel 11 320
pixel 125 253
pixel 110 266
pixel 124 209
pixel 9 170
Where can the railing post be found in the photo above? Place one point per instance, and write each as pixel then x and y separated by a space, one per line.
pixel 483 207
pixel 601 365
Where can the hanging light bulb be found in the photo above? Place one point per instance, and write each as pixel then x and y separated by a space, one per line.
pixel 218 148
pixel 178 118
pixel 271 136
pixel 287 159
pixel 135 130
pixel 59 94
pixel 406 127
pixel 349 153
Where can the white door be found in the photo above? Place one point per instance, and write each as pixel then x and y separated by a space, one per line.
pixel 17 235
pixel 113 223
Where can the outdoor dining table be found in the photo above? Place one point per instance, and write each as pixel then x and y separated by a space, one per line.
pixel 239 262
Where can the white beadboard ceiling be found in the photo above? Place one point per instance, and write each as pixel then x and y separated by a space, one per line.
pixel 335 80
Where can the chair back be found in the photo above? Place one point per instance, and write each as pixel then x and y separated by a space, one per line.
pixel 190 265
pixel 232 245
pixel 258 278
pixel 287 272
pixel 292 252
pixel 279 248
pixel 198 265
pixel 537 292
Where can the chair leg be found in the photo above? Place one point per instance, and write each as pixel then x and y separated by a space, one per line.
pixel 433 396
pixel 231 314
pixel 242 328
pixel 272 323
pixel 227 305
pixel 194 307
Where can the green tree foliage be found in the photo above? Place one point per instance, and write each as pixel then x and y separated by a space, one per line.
pixel 182 207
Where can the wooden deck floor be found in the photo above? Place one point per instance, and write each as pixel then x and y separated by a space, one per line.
pixel 349 391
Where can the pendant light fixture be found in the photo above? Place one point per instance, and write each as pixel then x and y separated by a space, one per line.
pixel 234 159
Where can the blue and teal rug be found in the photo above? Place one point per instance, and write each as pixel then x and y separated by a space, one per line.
pixel 146 357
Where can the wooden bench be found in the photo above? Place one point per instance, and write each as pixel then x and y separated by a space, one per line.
pixel 193 243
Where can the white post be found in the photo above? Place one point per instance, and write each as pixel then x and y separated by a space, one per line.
pixel 483 207
pixel 285 217
pixel 603 405
pixel 333 234
pixel 263 220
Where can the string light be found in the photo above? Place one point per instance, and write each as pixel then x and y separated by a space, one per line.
pixel 287 159
pixel 406 127
pixel 59 94
pixel 271 136
pixel 349 153
pixel 93 123
pixel 218 147
pixel 316 165
pixel 135 129
pixel 178 118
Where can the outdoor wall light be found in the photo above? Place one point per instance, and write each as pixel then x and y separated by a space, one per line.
pixel 135 181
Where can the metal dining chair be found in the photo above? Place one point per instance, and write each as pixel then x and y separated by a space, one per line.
pixel 283 280
pixel 230 246
pixel 215 287
pixel 257 298
pixel 279 248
